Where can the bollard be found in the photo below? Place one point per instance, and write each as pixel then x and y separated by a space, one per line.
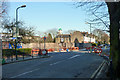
pixel 99 53
pixel 12 58
pixel 3 61
pixel 23 56
pixel 90 50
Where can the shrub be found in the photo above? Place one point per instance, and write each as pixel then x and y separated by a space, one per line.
pixel 25 51
pixel 11 52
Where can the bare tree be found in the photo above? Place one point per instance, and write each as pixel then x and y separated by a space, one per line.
pixel 98 33
pixel 4 18
pixel 53 32
pixel 109 15
pixel 70 31
pixel 49 38
pixel 3 8
pixel 23 30
pixel 101 35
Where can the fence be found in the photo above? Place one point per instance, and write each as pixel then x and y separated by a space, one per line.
pixel 11 55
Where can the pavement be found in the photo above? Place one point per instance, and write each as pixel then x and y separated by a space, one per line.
pixel 59 65
pixel 12 60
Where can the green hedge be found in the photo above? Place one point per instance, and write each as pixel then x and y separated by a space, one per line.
pixel 11 52
pixel 94 44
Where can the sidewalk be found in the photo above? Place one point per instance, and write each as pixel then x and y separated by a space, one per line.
pixel 102 74
pixel 10 60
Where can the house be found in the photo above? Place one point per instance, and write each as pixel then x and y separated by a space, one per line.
pixel 69 40
pixel 88 38
pixel 5 40
pixel 75 39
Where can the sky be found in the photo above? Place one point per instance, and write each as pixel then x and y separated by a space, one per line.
pixel 44 16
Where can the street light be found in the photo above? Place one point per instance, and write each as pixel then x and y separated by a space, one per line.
pixel 23 6
pixel 90 30
pixel 90 36
pixel 17 28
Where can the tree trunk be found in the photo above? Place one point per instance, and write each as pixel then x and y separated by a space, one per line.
pixel 114 12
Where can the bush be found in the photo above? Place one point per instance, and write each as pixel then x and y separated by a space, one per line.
pixel 94 44
pixel 11 52
pixel 25 51
pixel 8 52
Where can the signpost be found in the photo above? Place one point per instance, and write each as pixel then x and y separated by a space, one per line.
pixel 44 41
pixel 62 39
pixel 44 52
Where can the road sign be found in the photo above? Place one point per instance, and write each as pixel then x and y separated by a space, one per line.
pixel 12 38
pixel 44 38
pixel 43 52
pixel 62 39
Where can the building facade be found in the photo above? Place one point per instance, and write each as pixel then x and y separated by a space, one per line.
pixel 75 39
pixel 69 40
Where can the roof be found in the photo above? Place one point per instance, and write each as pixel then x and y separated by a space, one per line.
pixel 63 36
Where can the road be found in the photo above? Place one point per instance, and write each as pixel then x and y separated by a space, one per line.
pixel 59 65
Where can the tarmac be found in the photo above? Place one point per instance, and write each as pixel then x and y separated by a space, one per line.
pixel 100 73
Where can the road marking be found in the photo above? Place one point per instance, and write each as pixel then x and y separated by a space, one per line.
pixel 73 56
pixel 93 75
pixel 25 73
pixel 100 71
pixel 63 60
pixel 29 71
pixel 56 63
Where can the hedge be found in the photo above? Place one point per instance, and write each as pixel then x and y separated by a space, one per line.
pixel 11 52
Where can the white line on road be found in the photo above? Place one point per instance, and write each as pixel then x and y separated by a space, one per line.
pixel 93 75
pixel 63 60
pixel 56 63
pixel 39 68
pixel 25 73
pixel 100 71
pixel 29 71
pixel 73 56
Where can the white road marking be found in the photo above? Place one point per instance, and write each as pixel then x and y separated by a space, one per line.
pixel 56 63
pixel 73 56
pixel 39 68
pixel 29 71
pixel 97 69
pixel 100 71
pixel 25 73
pixel 63 60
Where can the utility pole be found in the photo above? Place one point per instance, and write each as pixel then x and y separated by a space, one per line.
pixel 17 32
pixel 90 36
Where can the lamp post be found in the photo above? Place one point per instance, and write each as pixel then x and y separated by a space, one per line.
pixel 17 28
pixel 90 36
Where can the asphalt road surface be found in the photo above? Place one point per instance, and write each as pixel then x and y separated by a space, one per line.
pixel 59 65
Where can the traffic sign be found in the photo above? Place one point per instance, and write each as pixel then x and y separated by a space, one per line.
pixel 44 38
pixel 62 39
pixel 13 38
pixel 43 52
